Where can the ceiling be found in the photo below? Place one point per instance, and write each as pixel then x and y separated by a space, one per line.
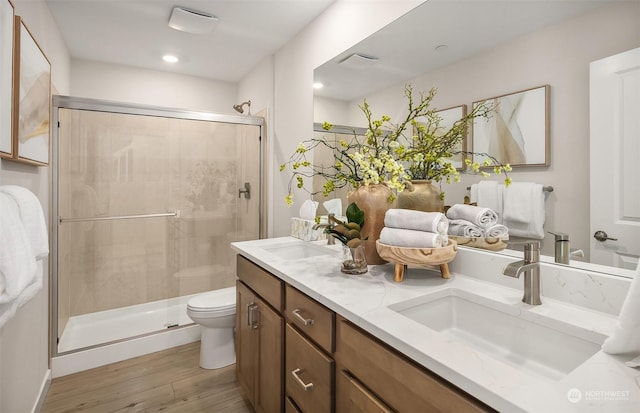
pixel 135 33
pixel 406 48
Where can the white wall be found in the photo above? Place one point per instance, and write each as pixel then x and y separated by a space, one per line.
pixel 24 340
pixel 149 87
pixel 558 55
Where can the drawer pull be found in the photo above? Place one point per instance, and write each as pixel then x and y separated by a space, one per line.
pixel 251 315
pixel 305 321
pixel 305 386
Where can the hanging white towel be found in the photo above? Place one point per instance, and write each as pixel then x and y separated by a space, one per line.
pixel 482 217
pixel 524 213
pixel 17 261
pixel 8 310
pixel 435 222
pixel 32 218
pixel 490 196
pixel 464 228
pixel 409 238
pixel 626 335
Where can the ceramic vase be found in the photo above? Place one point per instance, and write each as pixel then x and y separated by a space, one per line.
pixel 421 195
pixel 374 201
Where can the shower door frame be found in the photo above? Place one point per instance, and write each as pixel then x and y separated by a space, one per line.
pixel 97 105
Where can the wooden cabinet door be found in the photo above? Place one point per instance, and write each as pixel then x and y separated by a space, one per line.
pixel 269 387
pixel 246 342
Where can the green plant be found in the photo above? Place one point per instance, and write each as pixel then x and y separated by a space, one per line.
pixel 384 155
pixel 349 232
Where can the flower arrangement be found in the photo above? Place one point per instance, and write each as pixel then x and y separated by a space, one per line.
pixel 384 155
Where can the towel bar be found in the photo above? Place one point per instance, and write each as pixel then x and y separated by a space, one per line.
pixel 544 188
pixel 166 214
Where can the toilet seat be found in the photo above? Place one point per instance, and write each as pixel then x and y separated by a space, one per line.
pixel 217 302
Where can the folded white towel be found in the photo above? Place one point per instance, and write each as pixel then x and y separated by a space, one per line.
pixel 32 218
pixel 490 196
pixel 482 217
pixel 17 260
pixel 497 231
pixel 417 220
pixel 626 335
pixel 463 228
pixel 524 213
pixel 409 238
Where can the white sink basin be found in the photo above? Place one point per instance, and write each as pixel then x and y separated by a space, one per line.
pixel 505 332
pixel 298 250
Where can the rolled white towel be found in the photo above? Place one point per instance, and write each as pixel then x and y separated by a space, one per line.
pixel 417 220
pixel 479 216
pixel 497 231
pixel 409 238
pixel 464 228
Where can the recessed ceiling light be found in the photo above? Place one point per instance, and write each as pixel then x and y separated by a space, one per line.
pixel 170 58
pixel 317 85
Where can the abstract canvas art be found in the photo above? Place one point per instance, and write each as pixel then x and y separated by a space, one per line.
pixel 517 133
pixel 32 98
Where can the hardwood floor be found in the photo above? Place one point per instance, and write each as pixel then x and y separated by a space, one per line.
pixel 166 381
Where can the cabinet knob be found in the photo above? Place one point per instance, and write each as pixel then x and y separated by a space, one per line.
pixel 305 386
pixel 252 310
pixel 305 321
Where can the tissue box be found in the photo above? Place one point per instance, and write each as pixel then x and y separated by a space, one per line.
pixel 303 229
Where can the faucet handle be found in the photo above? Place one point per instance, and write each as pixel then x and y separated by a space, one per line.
pixel 560 236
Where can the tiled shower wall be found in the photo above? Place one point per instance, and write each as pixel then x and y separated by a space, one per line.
pixel 117 164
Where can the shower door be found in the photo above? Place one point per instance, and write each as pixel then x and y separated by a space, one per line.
pixel 147 206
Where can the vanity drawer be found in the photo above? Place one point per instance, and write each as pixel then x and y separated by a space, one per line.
pixel 308 373
pixel 312 318
pixel 261 282
pixel 397 381
pixel 353 397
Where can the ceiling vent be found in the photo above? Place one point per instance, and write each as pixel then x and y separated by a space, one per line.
pixel 358 61
pixel 192 21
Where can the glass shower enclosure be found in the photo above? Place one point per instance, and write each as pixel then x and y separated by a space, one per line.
pixel 146 202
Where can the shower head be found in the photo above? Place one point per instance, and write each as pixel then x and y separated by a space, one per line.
pixel 239 108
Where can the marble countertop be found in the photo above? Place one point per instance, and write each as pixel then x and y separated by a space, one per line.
pixel 601 384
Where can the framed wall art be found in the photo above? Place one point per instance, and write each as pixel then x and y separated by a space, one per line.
pixel 6 78
pixel 31 98
pixel 518 131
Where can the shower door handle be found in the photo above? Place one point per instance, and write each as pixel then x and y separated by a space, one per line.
pixel 246 191
pixel 252 312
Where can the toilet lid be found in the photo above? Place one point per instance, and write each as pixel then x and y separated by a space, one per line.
pixel 221 299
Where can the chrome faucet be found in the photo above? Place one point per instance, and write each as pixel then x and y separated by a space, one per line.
pixel 530 266
pixel 330 224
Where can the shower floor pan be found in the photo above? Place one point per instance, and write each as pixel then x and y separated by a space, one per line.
pixel 88 330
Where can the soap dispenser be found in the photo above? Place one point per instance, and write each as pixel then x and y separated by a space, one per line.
pixel 563 251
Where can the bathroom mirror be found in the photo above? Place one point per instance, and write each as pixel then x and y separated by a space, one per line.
pixel 473 50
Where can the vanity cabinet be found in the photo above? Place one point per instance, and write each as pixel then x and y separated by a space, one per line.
pixel 309 343
pixel 295 355
pixel 259 336
pixel 373 377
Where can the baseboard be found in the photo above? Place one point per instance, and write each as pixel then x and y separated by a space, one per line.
pixel 44 389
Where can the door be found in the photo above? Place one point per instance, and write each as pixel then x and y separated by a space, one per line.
pixel 270 388
pixel 246 356
pixel 615 150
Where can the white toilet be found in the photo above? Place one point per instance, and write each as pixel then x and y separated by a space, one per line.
pixel 215 312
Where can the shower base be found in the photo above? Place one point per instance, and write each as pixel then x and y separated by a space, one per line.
pixel 96 339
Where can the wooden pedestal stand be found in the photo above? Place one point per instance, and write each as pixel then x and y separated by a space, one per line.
pixel 402 256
